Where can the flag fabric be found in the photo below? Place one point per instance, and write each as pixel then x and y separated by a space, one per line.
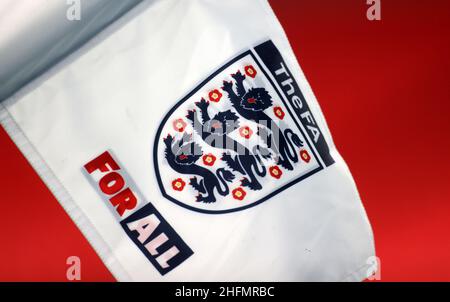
pixel 187 145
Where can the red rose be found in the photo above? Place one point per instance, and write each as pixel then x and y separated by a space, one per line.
pixel 275 172
pixel 245 132
pixel 209 159
pixel 238 193
pixel 250 71
pixel 178 184
pixel 305 156
pixel 215 95
pixel 179 125
pixel 278 111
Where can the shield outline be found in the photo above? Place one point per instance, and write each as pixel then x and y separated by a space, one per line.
pixel 187 97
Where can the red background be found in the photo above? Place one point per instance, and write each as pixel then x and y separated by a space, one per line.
pixel 384 89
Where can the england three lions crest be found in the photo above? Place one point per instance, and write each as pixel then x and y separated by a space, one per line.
pixel 233 142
